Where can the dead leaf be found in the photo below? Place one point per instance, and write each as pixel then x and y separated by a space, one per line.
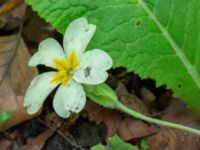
pixel 148 98
pixel 19 11
pixel 173 139
pixel 14 81
pixel 9 5
pixel 37 29
pixel 5 144
pixel 117 122
pixel 38 142
pixel 130 99
pixel 131 128
pixel 110 117
pixel 11 21
pixel 52 120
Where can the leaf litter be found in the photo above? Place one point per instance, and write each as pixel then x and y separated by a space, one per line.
pixel 15 77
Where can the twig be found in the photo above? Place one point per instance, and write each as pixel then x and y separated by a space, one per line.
pixel 69 139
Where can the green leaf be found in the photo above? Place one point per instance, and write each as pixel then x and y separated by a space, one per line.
pixel 158 39
pixel 101 94
pixel 5 116
pixel 115 144
pixel 144 144
pixel 99 147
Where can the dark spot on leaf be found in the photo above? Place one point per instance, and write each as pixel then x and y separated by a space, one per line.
pixel 179 86
pixel 138 23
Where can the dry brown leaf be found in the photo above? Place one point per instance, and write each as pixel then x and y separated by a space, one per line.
pixel 111 118
pixel 9 5
pixel 131 128
pixel 19 11
pixel 12 20
pixel 52 120
pixel 148 98
pixel 130 99
pixel 117 122
pixel 37 29
pixel 5 144
pixel 174 139
pixel 15 80
pixel 38 142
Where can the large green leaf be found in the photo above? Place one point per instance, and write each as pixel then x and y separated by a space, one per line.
pixel 157 39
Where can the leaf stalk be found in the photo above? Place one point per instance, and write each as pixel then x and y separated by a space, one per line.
pixel 138 115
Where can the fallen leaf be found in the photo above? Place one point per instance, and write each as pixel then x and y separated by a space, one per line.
pixel 131 128
pixel 54 121
pixel 5 144
pixel 37 29
pixel 117 122
pixel 148 98
pixel 173 139
pixel 15 76
pixel 38 142
pixel 19 11
pixel 9 5
pixel 11 21
pixel 130 99
pixel 98 114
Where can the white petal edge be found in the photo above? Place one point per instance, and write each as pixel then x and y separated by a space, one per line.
pixel 69 99
pixel 77 36
pixel 49 50
pixel 38 91
pixel 93 66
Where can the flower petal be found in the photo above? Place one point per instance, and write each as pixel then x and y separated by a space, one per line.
pixel 38 90
pixel 93 66
pixel 68 99
pixel 49 50
pixel 58 105
pixel 77 36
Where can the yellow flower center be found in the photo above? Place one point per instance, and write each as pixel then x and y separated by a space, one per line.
pixel 65 68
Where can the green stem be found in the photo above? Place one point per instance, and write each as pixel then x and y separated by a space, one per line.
pixel 155 121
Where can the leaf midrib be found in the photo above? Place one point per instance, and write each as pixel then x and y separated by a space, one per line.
pixel 179 52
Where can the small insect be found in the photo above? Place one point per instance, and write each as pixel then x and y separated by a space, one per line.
pixel 87 71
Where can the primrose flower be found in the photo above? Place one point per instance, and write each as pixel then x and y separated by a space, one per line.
pixel 73 66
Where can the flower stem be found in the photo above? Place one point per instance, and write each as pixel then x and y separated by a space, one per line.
pixel 138 115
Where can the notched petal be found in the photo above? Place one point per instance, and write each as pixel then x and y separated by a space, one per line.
pixel 77 36
pixel 69 98
pixel 49 50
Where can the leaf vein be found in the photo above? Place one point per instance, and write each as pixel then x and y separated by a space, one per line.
pixel 179 52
